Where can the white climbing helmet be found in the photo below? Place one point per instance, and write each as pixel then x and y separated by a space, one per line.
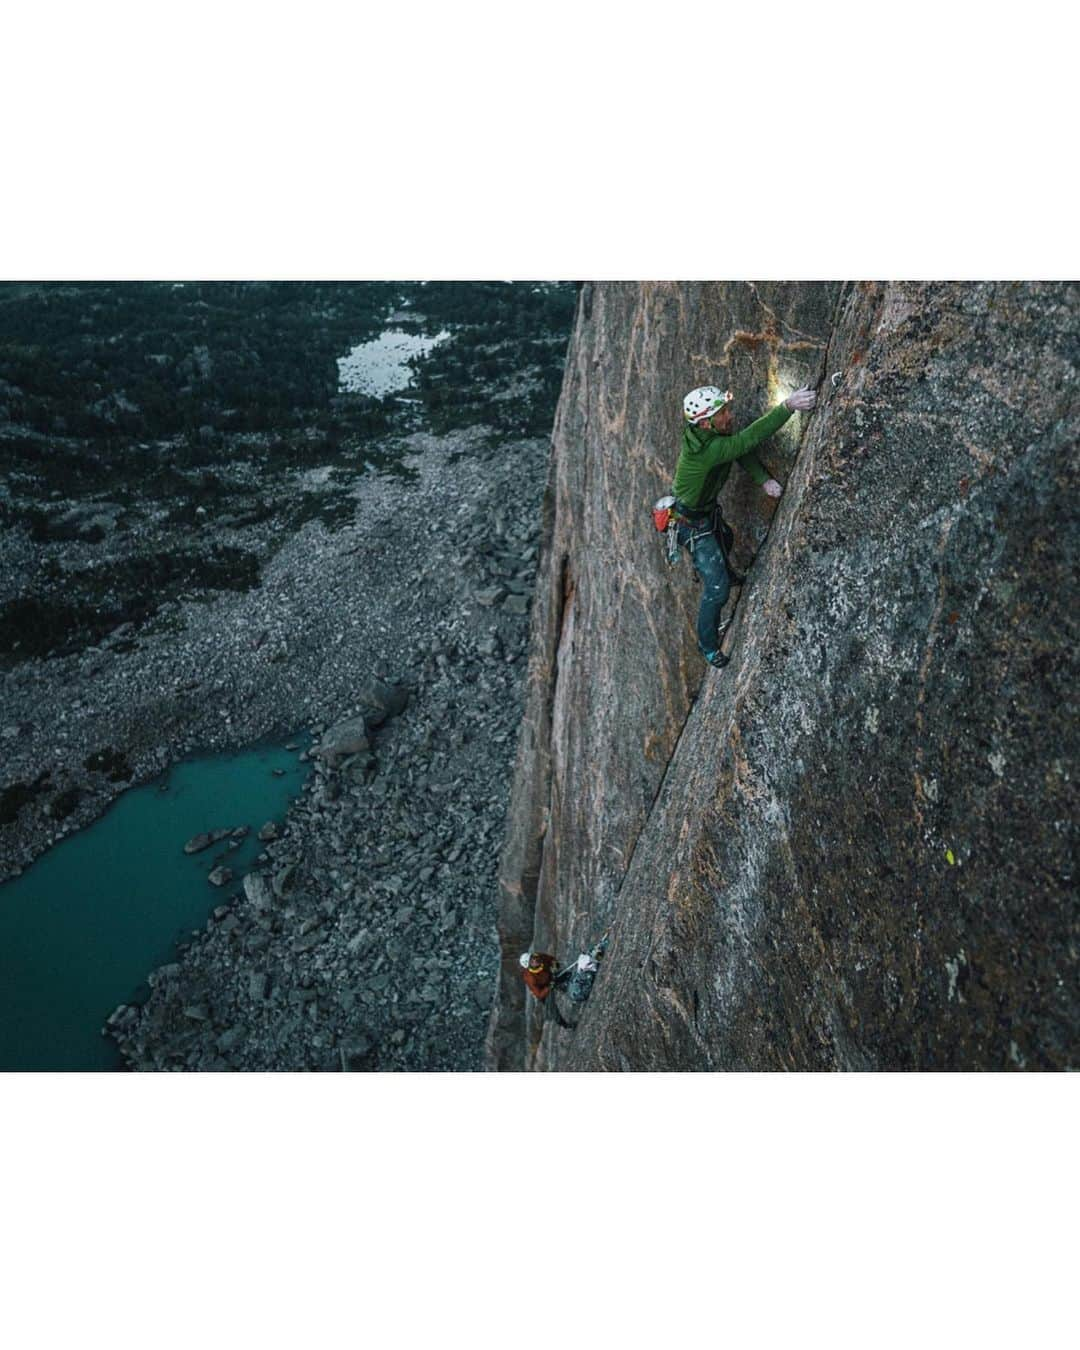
pixel 703 402
pixel 524 959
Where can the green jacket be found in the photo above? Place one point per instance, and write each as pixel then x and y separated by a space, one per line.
pixel 705 460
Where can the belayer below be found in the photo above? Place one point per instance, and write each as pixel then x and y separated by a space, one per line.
pixel 708 450
pixel 538 971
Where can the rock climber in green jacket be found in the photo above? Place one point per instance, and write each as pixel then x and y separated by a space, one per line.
pixel 708 451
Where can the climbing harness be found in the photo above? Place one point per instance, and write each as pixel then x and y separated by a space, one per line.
pixel 703 523
pixel 669 513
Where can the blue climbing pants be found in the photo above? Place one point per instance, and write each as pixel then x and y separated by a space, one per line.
pixel 709 564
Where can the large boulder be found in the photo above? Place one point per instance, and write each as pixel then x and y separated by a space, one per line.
pixel 343 739
pixel 381 701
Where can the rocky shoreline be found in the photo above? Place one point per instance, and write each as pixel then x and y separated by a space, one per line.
pixel 367 939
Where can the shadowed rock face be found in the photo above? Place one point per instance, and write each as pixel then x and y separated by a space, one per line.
pixel 851 848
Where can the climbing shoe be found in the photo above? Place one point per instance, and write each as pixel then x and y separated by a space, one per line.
pixel 717 659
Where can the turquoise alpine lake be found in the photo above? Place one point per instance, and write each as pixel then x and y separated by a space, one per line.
pixel 84 925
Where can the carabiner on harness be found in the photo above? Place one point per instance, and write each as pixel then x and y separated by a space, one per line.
pixel 672 542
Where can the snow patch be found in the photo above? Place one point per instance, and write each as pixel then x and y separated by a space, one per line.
pixel 382 366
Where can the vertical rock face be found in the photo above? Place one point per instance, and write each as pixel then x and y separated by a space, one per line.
pixel 849 849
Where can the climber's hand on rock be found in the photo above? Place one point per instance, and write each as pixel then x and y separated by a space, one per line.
pixel 802 400
pixel 772 487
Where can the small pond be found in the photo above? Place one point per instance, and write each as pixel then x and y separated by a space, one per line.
pixel 84 925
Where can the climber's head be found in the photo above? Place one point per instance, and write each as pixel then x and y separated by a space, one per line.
pixel 524 959
pixel 709 409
